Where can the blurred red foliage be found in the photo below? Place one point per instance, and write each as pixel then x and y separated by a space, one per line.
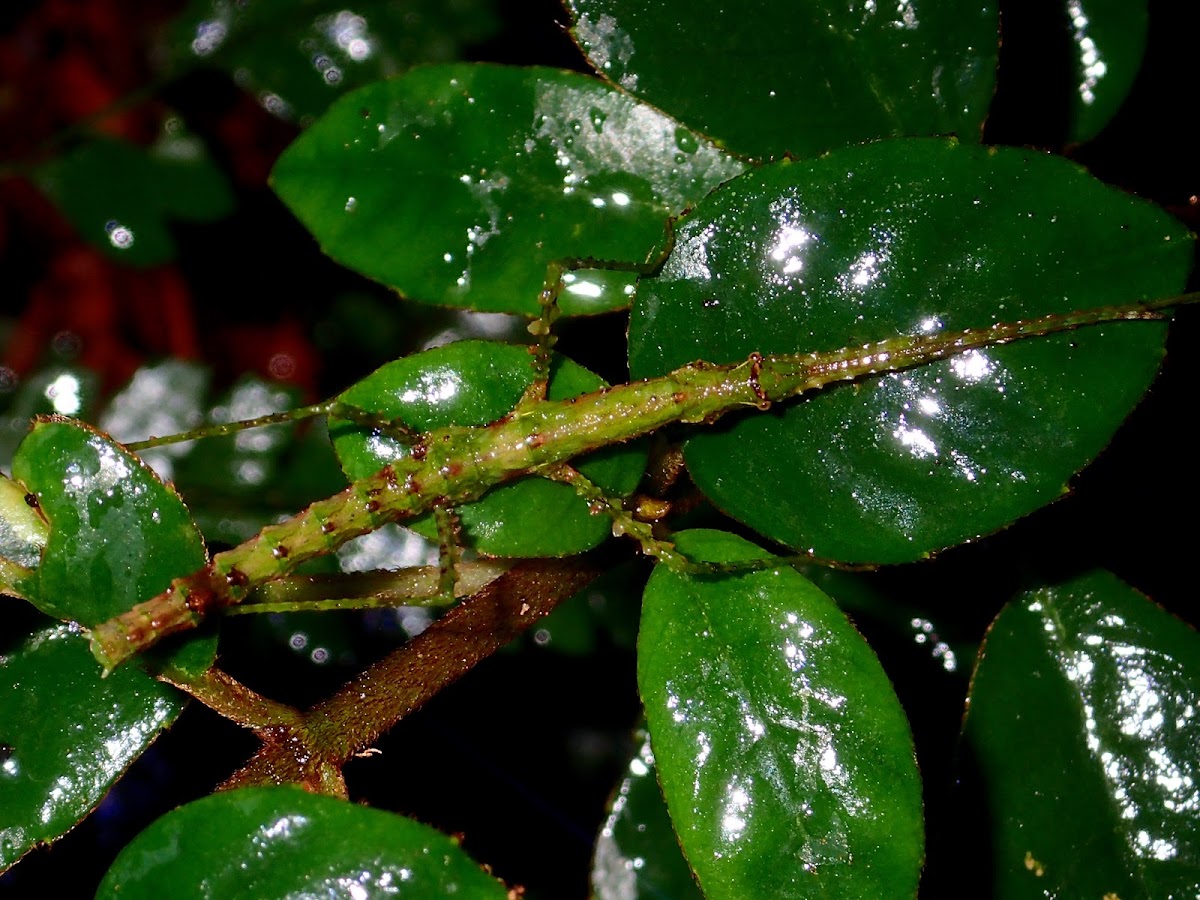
pixel 67 62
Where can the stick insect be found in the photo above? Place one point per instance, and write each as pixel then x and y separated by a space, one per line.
pixel 449 466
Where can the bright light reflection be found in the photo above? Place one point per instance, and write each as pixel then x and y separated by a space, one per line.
pixel 930 325
pixel 120 236
pixel 434 387
pixel 734 815
pixel 209 36
pixel 919 444
pixel 906 16
pixel 349 31
pixel 589 289
pixel 64 394
pixel 864 271
pixel 972 366
pixel 788 239
pixel 1091 65
pixel 1130 737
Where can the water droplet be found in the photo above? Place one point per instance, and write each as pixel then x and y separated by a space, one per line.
pixel 120 236
pixel 209 36
pixel 686 141
pixel 598 116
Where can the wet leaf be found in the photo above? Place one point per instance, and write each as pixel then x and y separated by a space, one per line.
pixel 784 757
pixel 298 56
pixel 118 535
pixel 120 197
pixel 459 184
pixel 1108 40
pixel 1082 724
pixel 281 842
pixel 476 383
pixel 66 734
pixel 768 78
pixel 637 854
pixel 23 530
pixel 909 237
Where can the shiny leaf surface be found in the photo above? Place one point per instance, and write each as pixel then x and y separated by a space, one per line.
pixel 280 842
pixel 460 184
pixel 910 237
pixel 637 854
pixel 66 734
pixel 120 196
pixel 1108 40
pixel 767 78
pixel 118 535
pixel 783 754
pixel 475 383
pixel 1083 725
pixel 298 56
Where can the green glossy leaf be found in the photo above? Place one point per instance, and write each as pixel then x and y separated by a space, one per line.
pixel 460 184
pixel 476 383
pixel 637 854
pixel 66 735
pixel 909 237
pixel 1083 725
pixel 298 56
pixel 767 78
pixel 118 535
pixel 120 196
pixel 783 754
pixel 280 842
pixel 1108 40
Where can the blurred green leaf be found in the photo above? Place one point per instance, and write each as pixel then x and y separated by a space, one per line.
pixel 1108 40
pixel 66 734
pixel 1083 727
pixel 910 237
pixel 247 463
pixel 120 197
pixel 784 756
pixel 281 842
pixel 476 383
pixel 766 78
pixel 459 184
pixel 637 855
pixel 298 56
pixel 162 398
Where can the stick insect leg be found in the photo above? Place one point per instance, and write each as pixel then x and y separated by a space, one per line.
pixel 387 425
pixel 558 274
pixel 626 523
